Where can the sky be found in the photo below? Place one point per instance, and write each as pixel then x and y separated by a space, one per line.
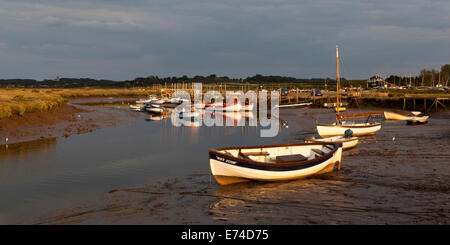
pixel 121 40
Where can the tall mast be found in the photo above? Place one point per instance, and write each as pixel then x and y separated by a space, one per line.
pixel 337 79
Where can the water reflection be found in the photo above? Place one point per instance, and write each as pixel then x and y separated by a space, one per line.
pixel 13 150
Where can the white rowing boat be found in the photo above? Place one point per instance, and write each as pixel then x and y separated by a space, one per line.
pixel 359 129
pixel 296 106
pixel 388 115
pixel 417 120
pixel 273 162
pixel 136 107
pixel 347 142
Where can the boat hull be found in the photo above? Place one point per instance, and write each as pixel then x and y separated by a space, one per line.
pixel 395 116
pixel 347 143
pixel 418 120
pixel 326 130
pixel 230 170
pixel 296 106
pixel 155 110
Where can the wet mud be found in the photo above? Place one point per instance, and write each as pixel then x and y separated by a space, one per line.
pixel 401 175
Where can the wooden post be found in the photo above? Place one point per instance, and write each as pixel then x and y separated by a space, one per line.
pixel 436 102
pixel 425 104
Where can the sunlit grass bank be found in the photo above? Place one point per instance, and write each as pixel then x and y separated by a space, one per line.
pixel 16 102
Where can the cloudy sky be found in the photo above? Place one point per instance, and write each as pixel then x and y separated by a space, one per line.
pixel 112 39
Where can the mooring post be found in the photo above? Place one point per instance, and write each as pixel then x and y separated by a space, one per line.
pixel 436 102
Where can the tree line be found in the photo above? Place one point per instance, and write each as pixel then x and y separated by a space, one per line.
pixel 425 78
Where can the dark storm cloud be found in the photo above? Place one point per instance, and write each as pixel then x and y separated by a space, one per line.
pixel 124 39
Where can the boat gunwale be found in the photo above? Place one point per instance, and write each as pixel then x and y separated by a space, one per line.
pixel 348 126
pixel 343 140
pixel 267 164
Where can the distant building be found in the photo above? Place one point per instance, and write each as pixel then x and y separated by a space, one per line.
pixel 377 81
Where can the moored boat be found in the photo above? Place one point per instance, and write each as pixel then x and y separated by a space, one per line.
pixel 388 115
pixel 296 106
pixel 417 120
pixel 273 162
pixel 347 142
pixel 136 107
pixel 359 129
pixel 340 126
pixel 146 100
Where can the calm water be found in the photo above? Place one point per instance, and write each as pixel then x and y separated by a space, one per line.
pixel 384 180
pixel 45 175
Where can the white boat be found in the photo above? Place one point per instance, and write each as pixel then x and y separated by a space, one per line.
pixel 301 105
pixel 146 100
pixel 136 107
pixel 395 116
pixel 347 142
pixel 157 101
pixel 359 129
pixel 417 120
pixel 154 110
pixel 227 107
pixel 339 128
pixel 273 162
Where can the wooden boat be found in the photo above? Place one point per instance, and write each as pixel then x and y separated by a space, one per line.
pixel 296 106
pixel 136 107
pixel 154 110
pixel 358 129
pixel 347 142
pixel 225 107
pixel 417 120
pixel 339 128
pixel 273 162
pixel 395 116
pixel 146 100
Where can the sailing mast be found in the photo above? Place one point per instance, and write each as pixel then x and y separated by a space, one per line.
pixel 337 82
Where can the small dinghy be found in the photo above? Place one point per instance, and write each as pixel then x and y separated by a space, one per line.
pixel 347 142
pixel 273 162
pixel 154 108
pixel 136 107
pixel 388 115
pixel 296 106
pixel 418 120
